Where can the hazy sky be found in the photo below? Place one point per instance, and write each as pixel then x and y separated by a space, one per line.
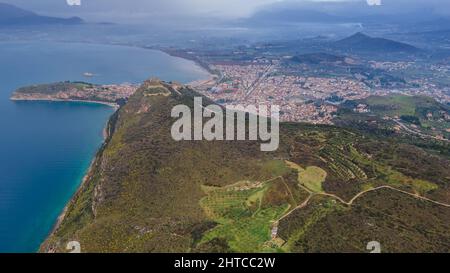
pixel 119 10
pixel 126 7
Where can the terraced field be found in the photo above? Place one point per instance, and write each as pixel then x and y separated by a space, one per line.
pixel 245 213
pixel 342 164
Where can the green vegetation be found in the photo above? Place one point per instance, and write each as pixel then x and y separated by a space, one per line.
pixel 318 58
pixel 312 178
pixel 395 105
pixel 245 213
pixel 149 193
pixel 398 221
pixel 308 223
pixel 53 88
pixel 422 115
pixel 75 91
pixel 276 167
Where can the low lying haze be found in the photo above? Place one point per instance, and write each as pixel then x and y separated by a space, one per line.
pixel 148 10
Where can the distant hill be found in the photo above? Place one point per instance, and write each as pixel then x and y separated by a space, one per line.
pixel 318 58
pixel 344 12
pixel 11 15
pixel 365 43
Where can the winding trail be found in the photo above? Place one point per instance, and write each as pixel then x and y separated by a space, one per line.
pixel 417 196
pixel 416 132
pixel 350 203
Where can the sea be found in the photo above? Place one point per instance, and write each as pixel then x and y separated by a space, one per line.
pixel 46 147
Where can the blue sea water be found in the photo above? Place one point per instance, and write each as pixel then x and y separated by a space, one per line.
pixel 46 147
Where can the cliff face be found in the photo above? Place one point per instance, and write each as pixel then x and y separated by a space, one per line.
pixel 146 192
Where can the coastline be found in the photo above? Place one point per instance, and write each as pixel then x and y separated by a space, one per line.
pixel 213 75
pixel 107 134
pixel 110 104
pixel 62 215
pixel 182 55
pixel 90 163
pixel 210 80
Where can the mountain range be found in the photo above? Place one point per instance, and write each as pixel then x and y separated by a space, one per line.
pixel 288 12
pixel 11 15
pixel 361 42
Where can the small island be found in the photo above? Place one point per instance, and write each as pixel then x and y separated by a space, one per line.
pixel 113 95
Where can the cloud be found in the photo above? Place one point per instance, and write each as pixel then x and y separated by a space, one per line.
pixel 219 7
